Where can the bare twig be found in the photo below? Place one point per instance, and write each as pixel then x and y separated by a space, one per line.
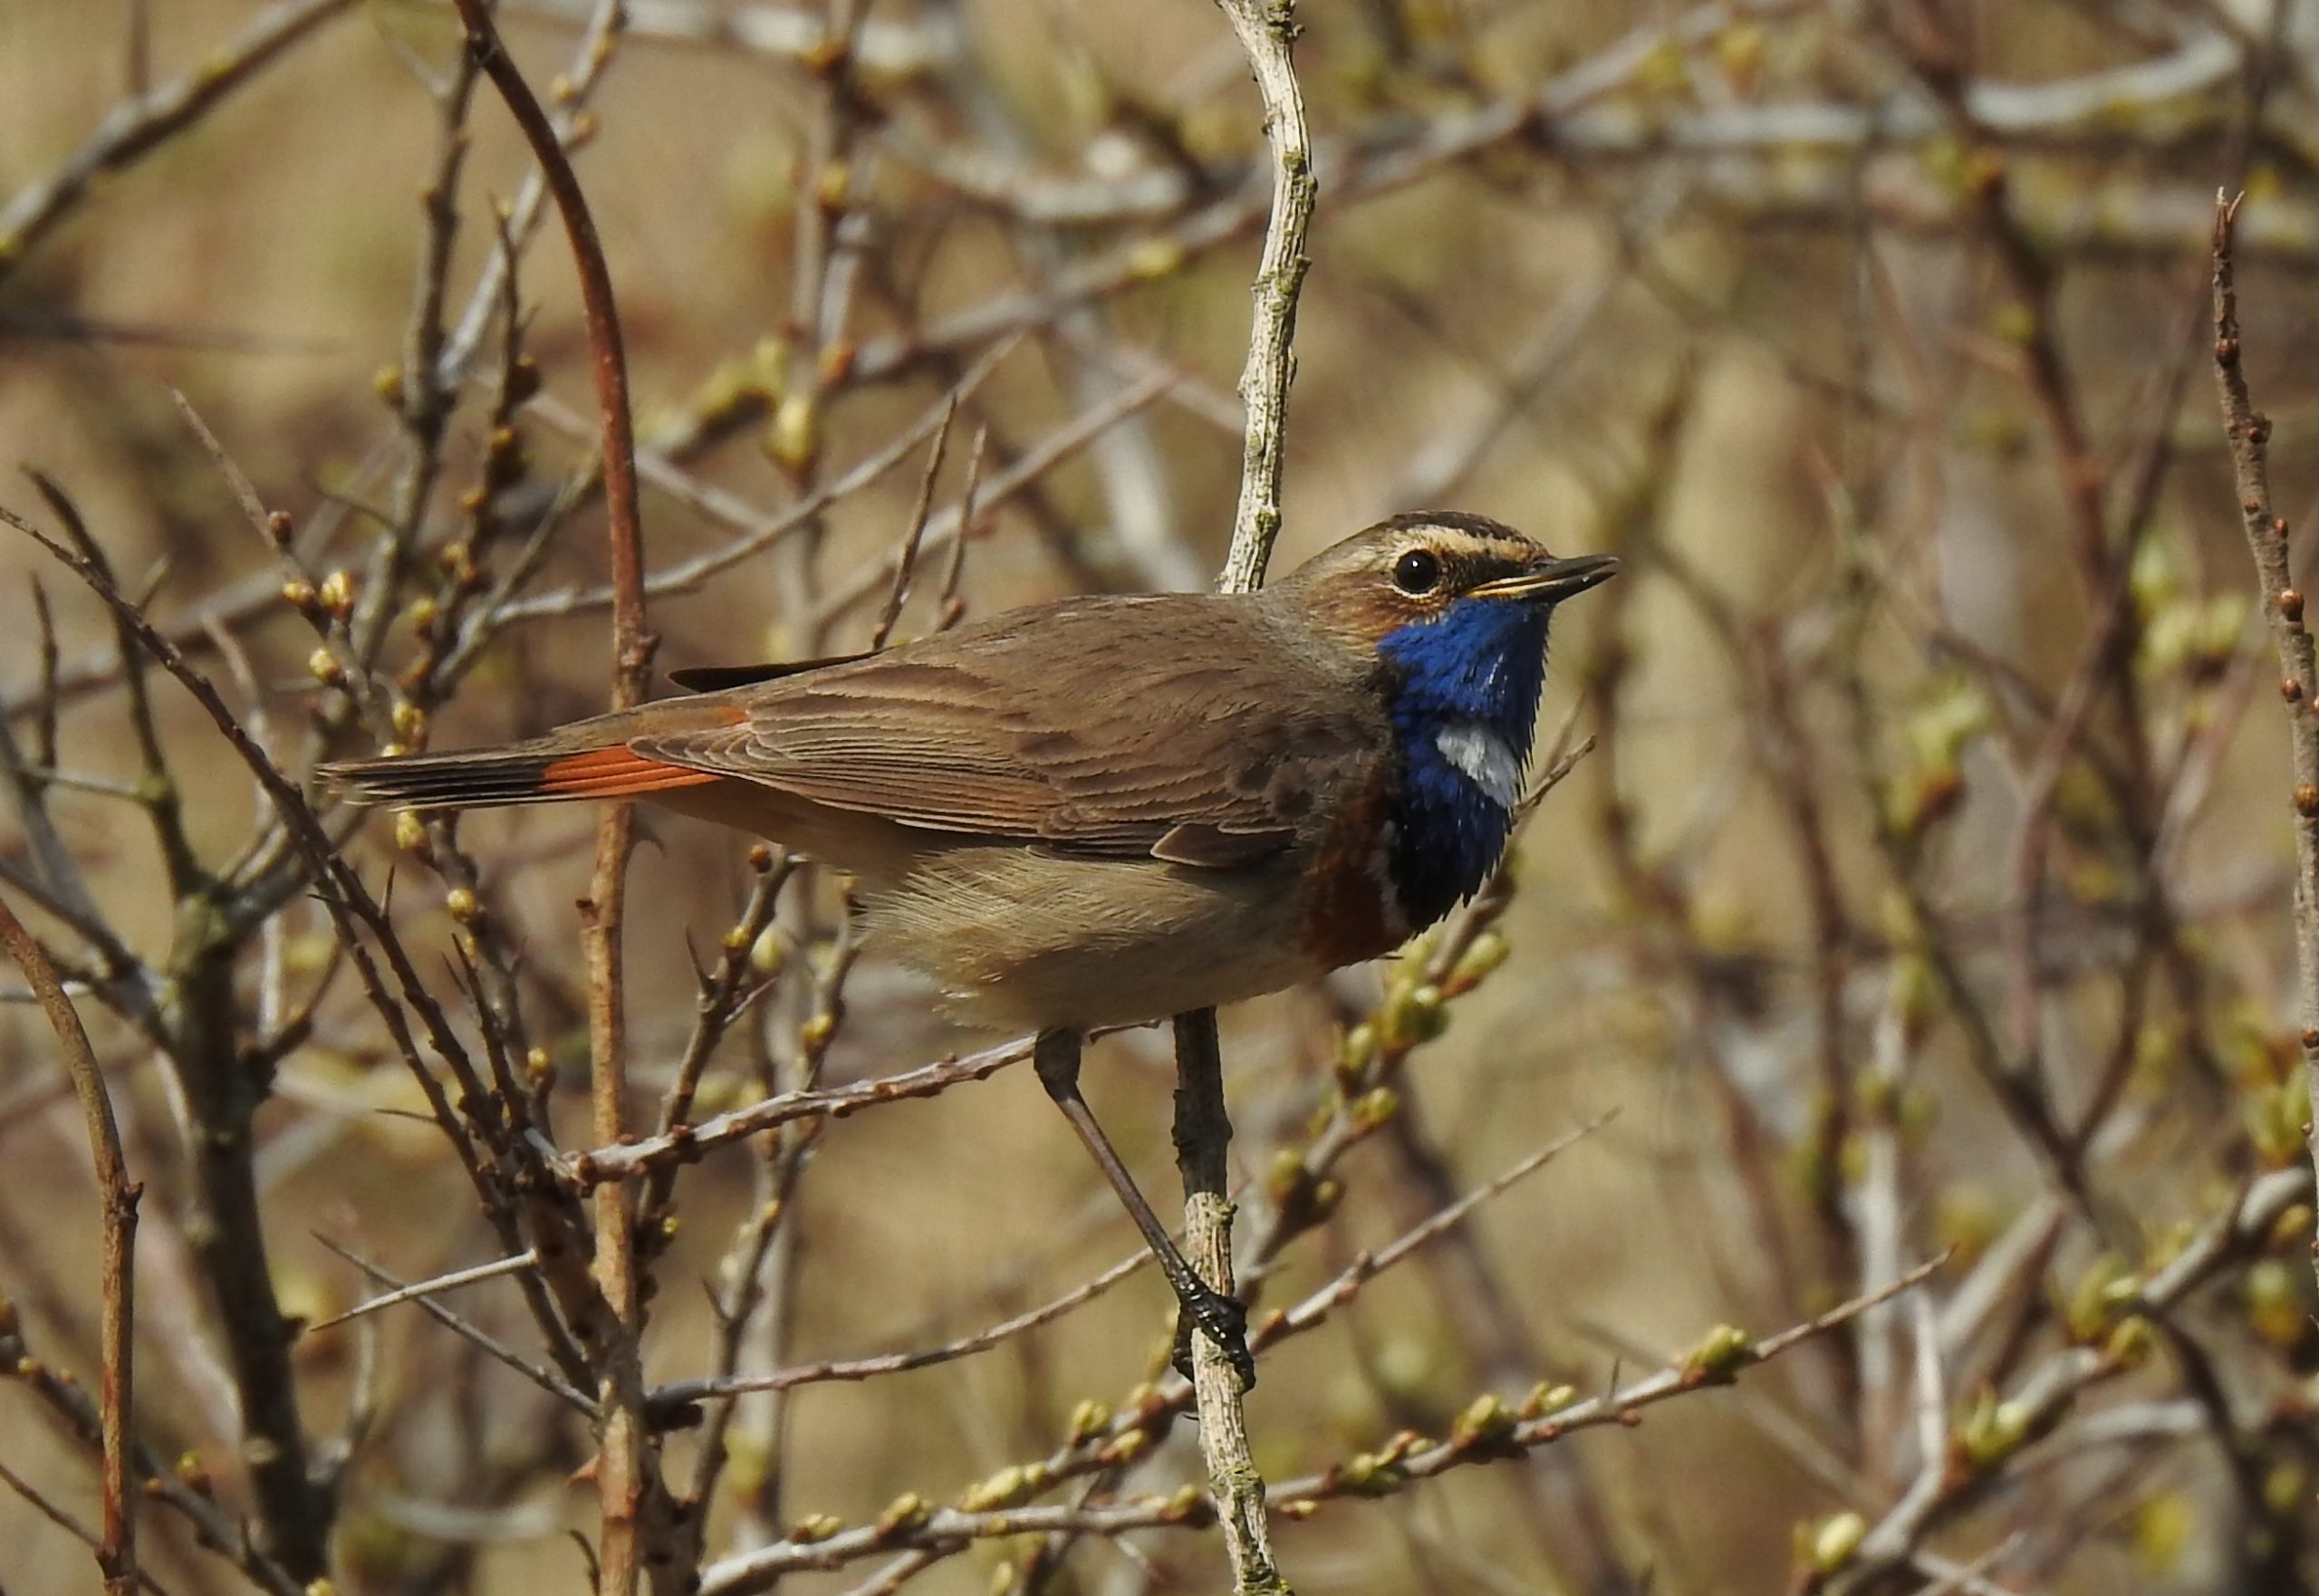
pixel 116 1548
pixel 685 1143
pixel 214 1527
pixel 1203 1140
pixel 1265 28
pixel 56 1514
pixel 1316 1308
pixel 682 1393
pixel 353 911
pixel 2249 434
pixel 1487 1434
pixel 193 1024
pixel 545 1378
pixel 138 126
pixel 428 1288
pixel 2041 1398
pixel 1203 1130
pixel 756 531
pixel 906 560
pixel 628 1486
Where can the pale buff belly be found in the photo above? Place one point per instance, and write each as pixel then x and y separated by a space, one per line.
pixel 1022 939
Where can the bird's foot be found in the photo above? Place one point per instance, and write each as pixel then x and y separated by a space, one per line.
pixel 1224 1320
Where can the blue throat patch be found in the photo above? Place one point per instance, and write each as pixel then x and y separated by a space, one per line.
pixel 1480 665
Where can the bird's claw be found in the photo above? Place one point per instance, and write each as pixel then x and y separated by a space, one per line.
pixel 1224 1320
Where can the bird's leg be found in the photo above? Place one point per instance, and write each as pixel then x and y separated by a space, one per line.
pixel 1222 1319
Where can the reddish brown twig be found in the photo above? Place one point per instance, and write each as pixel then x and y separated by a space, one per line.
pixel 622 1466
pixel 2249 433
pixel 117 1546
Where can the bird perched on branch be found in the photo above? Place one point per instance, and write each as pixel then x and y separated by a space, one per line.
pixel 1112 810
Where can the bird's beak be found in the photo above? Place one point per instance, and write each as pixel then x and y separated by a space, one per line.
pixel 1550 580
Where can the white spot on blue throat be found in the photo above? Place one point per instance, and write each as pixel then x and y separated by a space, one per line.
pixel 1462 689
pixel 1482 754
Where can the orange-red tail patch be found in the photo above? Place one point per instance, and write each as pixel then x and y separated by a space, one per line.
pixel 616 773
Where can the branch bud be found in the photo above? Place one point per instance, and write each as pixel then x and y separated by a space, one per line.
pixel 1721 1353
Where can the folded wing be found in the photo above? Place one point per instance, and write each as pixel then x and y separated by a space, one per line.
pixel 1163 725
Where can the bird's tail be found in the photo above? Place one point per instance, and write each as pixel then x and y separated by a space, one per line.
pixel 489 777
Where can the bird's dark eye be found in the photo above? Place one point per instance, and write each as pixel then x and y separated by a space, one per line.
pixel 1417 571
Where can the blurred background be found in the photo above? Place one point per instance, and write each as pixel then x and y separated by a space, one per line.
pixel 1925 892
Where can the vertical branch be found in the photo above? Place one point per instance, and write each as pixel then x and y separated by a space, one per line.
pixel 623 1469
pixel 196 1023
pixel 1203 1132
pixel 116 1549
pixel 2249 434
pixel 1266 28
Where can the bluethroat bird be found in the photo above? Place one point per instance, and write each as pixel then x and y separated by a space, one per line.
pixel 1106 811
